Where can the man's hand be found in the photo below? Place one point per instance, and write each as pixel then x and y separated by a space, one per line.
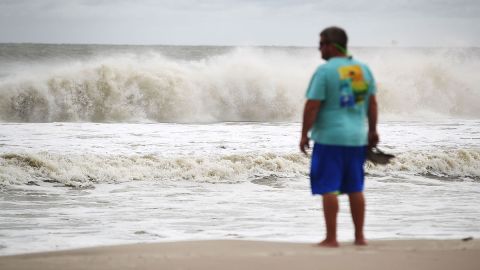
pixel 304 143
pixel 373 138
pixel 372 122
pixel 312 107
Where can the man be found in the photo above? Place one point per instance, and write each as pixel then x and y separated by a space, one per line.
pixel 340 98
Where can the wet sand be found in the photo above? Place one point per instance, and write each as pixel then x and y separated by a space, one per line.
pixel 237 254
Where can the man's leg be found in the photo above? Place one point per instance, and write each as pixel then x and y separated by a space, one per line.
pixel 330 210
pixel 357 207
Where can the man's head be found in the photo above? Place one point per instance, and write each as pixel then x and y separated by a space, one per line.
pixel 333 42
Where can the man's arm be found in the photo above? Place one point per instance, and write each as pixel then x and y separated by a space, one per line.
pixel 309 115
pixel 372 122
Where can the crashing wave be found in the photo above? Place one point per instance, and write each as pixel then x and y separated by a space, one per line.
pixel 86 170
pixel 243 84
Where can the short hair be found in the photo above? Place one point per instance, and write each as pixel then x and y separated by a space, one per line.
pixel 336 35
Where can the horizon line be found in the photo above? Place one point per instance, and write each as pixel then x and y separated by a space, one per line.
pixel 230 45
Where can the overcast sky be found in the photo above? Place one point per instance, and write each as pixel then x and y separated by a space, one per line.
pixel 241 22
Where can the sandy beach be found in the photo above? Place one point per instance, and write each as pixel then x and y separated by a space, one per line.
pixel 235 254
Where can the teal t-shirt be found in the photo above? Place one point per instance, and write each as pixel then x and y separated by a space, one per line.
pixel 344 86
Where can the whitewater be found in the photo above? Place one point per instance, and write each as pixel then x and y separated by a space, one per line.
pixel 104 144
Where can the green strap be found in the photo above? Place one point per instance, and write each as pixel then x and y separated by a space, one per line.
pixel 340 48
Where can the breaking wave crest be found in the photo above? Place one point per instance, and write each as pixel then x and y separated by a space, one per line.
pixel 87 170
pixel 244 84
pixel 445 164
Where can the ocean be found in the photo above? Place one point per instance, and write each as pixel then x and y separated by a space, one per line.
pixel 111 144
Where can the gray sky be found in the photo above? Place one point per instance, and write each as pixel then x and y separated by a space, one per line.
pixel 241 22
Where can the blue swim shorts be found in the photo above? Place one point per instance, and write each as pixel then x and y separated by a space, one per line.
pixel 337 169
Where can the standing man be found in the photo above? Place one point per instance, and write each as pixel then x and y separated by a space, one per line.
pixel 340 98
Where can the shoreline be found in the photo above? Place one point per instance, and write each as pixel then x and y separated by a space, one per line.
pixel 245 254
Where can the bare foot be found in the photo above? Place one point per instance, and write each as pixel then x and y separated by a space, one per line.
pixel 328 243
pixel 360 242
